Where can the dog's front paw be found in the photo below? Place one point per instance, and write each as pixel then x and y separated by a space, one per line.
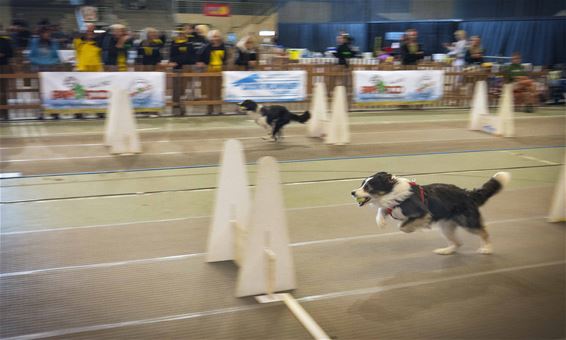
pixel 446 251
pixel 486 250
pixel 407 229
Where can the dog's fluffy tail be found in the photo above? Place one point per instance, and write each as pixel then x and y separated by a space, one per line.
pixel 490 188
pixel 302 118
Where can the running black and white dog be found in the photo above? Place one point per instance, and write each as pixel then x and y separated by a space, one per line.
pixel 420 206
pixel 272 118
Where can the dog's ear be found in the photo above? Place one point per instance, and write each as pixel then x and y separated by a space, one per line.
pixel 382 181
pixel 248 105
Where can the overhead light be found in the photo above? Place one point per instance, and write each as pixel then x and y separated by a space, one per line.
pixel 99 31
pixel 266 33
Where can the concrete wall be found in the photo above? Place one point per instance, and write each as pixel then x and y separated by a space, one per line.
pixel 5 14
pixel 306 11
pixel 240 24
pixel 432 9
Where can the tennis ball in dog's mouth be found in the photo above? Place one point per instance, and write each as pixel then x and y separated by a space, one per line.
pixel 360 199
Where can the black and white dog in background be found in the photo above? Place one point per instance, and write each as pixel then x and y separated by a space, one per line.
pixel 272 118
pixel 420 206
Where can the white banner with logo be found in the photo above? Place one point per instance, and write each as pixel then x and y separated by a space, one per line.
pixel 84 91
pixel 265 86
pixel 398 87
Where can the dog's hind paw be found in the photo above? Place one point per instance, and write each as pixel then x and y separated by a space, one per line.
pixel 487 250
pixel 445 251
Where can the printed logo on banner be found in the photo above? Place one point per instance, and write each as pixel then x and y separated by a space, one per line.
pixel 67 91
pixel 393 87
pixel 266 86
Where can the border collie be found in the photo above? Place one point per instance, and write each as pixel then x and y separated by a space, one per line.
pixel 272 118
pixel 420 206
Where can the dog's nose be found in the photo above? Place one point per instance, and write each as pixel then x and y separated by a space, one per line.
pixel 353 193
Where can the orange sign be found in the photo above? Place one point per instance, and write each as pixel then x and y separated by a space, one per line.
pixel 216 10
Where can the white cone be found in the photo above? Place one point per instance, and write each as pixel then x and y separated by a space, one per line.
pixel 558 208
pixel 120 125
pixel 319 112
pixel 267 231
pixel 479 105
pixel 339 129
pixel 506 112
pixel 232 203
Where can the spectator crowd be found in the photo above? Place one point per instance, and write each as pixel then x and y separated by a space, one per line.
pixel 97 50
pixel 197 48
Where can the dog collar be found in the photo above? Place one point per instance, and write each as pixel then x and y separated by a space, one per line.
pixel 389 211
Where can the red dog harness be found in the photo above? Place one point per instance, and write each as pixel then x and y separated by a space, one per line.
pixel 421 195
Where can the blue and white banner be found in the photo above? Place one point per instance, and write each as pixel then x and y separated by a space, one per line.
pixel 398 87
pixel 265 86
pixel 84 91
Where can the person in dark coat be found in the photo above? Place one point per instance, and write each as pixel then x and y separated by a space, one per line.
pixel 182 51
pixel 246 53
pixel 214 53
pixel 116 46
pixel 344 49
pixel 197 36
pixel 474 54
pixel 149 50
pixel 6 50
pixel 213 56
pixel 411 50
pixel 6 53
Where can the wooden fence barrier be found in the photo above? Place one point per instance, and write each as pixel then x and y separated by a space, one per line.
pixel 193 90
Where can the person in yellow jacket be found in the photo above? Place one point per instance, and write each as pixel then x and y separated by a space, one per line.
pixel 88 51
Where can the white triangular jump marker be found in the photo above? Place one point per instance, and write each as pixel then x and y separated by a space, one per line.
pixel 500 124
pixel 479 105
pixel 558 208
pixel 232 203
pixel 506 112
pixel 267 233
pixel 339 129
pixel 319 112
pixel 120 126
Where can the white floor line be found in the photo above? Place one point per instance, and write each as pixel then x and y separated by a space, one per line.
pixel 151 221
pixel 355 121
pixel 208 216
pixel 169 153
pixel 305 299
pixel 532 158
pixel 186 152
pixel 185 256
pixel 374 290
pixel 207 139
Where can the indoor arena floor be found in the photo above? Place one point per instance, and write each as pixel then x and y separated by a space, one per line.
pixel 95 246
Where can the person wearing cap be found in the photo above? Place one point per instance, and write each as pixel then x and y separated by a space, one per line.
pixel 182 51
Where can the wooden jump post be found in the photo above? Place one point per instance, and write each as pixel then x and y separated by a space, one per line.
pixel 254 234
